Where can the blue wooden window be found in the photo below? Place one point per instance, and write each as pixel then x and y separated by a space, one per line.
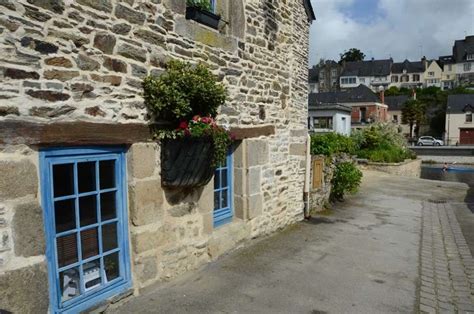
pixel 83 196
pixel 213 6
pixel 223 201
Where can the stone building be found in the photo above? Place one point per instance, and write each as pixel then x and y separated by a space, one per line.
pixel 84 217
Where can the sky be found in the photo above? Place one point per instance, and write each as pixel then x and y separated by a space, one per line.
pixel 401 29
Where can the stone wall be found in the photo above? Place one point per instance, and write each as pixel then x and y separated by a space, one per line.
pixel 408 168
pixel 23 274
pixel 83 60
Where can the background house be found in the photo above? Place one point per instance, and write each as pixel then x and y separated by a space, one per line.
pixel 459 124
pixel 463 55
pixel 328 117
pixel 408 74
pixel 84 216
pixel 448 78
pixel 395 105
pixel 433 75
pixel 374 74
pixel 366 106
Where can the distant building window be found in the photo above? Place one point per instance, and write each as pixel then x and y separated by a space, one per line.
pixel 470 56
pixel 416 77
pixel 467 67
pixel 395 118
pixel 348 80
pixel 469 117
pixel 450 67
pixel 404 78
pixel 322 122
pixel 394 79
pixel 321 75
pixel 431 73
pixel 447 77
pixel 333 72
pixel 362 80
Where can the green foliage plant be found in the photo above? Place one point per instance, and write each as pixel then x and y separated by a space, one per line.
pixel 381 142
pixel 347 178
pixel 201 4
pixel 186 97
pixel 183 91
pixel 330 144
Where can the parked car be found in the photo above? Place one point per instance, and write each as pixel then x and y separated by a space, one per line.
pixel 429 141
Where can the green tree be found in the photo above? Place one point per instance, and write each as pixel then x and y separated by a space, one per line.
pixel 414 113
pixel 352 54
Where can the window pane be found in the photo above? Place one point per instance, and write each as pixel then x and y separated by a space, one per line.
pixel 224 199
pixel 91 275
pixel 89 243
pixel 224 178
pixel 86 176
pixel 108 206
pixel 216 200
pixel 217 179
pixel 69 284
pixel 109 237
pixel 65 215
pixel 67 250
pixel 107 174
pixel 63 180
pixel 112 266
pixel 88 210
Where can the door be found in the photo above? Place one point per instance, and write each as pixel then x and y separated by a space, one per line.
pixel 466 136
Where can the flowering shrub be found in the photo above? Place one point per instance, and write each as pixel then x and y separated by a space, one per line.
pixel 206 127
pixel 187 98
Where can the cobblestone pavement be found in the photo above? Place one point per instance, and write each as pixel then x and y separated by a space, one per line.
pixel 447 266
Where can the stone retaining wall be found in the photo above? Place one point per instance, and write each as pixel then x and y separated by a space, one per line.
pixel 84 60
pixel 408 168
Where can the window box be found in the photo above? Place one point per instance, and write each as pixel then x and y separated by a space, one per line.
pixel 202 16
pixel 186 162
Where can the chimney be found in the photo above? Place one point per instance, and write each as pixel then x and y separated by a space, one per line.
pixel 382 96
pixel 425 62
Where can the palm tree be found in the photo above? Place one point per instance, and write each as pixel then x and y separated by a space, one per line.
pixel 413 113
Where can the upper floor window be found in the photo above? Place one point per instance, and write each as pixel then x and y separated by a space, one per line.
pixel 416 77
pixel 405 78
pixel 394 79
pixel 467 66
pixel 431 73
pixel 203 11
pixel 470 56
pixel 469 117
pixel 362 80
pixel 348 80
pixel 333 72
pixel 450 67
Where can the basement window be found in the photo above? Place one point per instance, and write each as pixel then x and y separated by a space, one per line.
pixel 223 200
pixel 83 193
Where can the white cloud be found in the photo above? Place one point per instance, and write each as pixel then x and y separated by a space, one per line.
pixel 400 28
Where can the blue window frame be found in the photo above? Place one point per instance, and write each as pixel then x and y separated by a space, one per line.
pixel 223 200
pixel 84 201
pixel 213 6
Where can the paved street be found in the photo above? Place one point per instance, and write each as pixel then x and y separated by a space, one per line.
pixel 394 247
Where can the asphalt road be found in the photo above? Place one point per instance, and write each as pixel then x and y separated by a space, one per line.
pixel 362 258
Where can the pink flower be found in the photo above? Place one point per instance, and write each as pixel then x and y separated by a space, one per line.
pixel 196 118
pixel 206 120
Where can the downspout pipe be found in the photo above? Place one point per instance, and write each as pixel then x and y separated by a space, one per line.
pixel 307 177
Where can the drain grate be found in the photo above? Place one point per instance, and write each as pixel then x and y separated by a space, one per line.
pixel 438 201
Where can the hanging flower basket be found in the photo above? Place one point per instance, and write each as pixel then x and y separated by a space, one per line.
pixel 187 162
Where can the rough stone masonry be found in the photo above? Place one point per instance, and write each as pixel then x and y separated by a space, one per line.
pixel 84 60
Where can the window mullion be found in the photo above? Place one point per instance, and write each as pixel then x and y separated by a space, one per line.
pixel 78 227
